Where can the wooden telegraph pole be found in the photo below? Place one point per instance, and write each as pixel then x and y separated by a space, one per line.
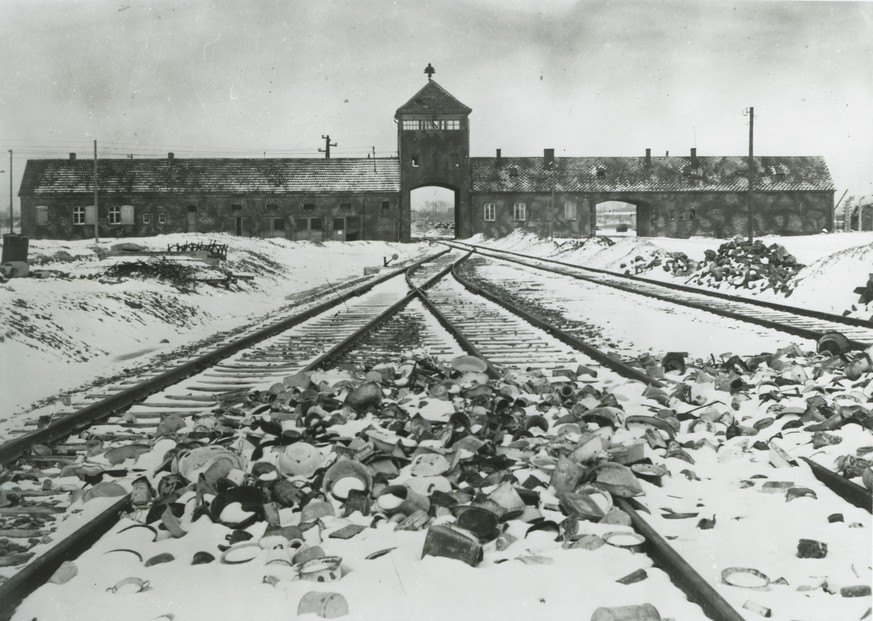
pixel 327 145
pixel 11 210
pixel 751 113
pixel 96 211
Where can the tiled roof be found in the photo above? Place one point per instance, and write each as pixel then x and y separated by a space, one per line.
pixel 432 98
pixel 218 176
pixel 666 174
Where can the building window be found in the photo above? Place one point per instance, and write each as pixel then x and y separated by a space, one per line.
pixel 414 161
pixel 692 214
pixel 272 207
pixel 42 215
pixel 345 206
pixel 162 218
pixel 569 210
pixel 601 170
pixel 682 215
pixel 513 171
pixel 236 207
pixel 672 216
pixel 432 123
pixel 519 212
pixel 339 224
pixel 308 206
pixel 386 205
pixel 489 212
pixel 115 215
pixel 277 224
pixel 315 224
pixel 147 218
pixel 83 215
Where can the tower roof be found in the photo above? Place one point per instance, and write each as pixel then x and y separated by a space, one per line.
pixel 432 99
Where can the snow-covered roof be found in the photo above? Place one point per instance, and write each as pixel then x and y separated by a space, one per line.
pixel 433 99
pixel 665 174
pixel 212 175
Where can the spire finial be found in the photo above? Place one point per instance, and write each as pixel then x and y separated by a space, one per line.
pixel 429 70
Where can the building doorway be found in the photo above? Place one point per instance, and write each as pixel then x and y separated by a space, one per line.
pixel 192 218
pixel 616 218
pixel 433 212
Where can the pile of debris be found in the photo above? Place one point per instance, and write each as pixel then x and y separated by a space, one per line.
pixel 675 263
pixel 180 275
pixel 863 308
pixel 740 265
pixel 475 469
pixel 568 245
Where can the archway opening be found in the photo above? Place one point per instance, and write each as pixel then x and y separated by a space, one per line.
pixel 616 218
pixel 433 212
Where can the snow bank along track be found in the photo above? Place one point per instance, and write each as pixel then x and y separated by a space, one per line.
pixel 792 320
pixel 493 333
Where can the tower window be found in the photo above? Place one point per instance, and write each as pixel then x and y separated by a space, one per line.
pixel 455 160
pixel 414 161
pixel 346 206
pixel 519 212
pixel 308 206
pixel 489 212
pixel 386 205
pixel 272 207
pixel 236 207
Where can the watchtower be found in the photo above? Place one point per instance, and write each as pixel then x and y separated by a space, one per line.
pixel 433 143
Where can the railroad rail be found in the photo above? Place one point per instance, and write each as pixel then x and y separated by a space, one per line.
pixel 792 320
pixel 490 328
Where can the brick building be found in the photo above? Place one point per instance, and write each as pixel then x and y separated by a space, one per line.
pixel 347 199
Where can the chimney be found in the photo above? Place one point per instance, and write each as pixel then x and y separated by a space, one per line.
pixel 693 157
pixel 648 158
pixel 170 157
pixel 499 157
pixel 548 157
pixel 667 154
pixel 72 157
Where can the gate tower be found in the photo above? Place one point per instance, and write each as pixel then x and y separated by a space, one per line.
pixel 433 145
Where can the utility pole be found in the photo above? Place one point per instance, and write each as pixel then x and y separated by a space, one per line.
pixel 96 211
pixel 327 145
pixel 751 113
pixel 11 210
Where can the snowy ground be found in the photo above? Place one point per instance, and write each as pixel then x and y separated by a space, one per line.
pixel 57 332
pixel 836 263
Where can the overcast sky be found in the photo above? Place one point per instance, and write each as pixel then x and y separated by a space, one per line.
pixel 222 78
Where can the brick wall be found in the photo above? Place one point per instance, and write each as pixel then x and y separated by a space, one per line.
pixel 666 214
pixel 362 215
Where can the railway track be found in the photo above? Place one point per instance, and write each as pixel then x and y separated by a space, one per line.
pixel 792 320
pixel 385 320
